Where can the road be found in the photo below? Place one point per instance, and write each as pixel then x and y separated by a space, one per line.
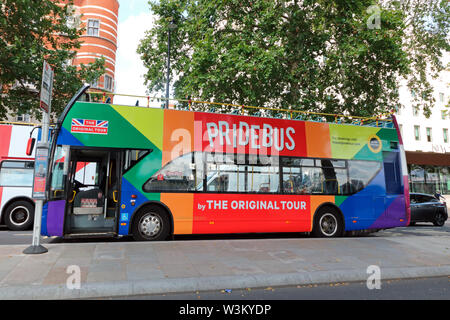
pixel 411 289
pixel 8 237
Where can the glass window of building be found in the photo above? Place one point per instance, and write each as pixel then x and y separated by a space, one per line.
pixel 429 179
pixel 444 180
pixel 23 117
pixel 94 83
pixel 445 134
pixel 443 114
pixel 416 178
pixel 108 82
pixel 417 133
pixel 429 135
pixel 415 111
pixel 93 27
pixel 441 97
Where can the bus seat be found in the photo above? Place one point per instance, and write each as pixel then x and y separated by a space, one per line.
pixel 264 187
pixel 330 187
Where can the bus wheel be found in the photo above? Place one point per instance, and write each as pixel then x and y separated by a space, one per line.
pixel 327 223
pixel 19 215
pixel 151 224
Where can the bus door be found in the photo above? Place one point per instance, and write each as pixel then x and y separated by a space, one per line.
pixel 394 186
pixel 93 192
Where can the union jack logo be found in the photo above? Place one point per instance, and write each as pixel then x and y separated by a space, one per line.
pixel 90 126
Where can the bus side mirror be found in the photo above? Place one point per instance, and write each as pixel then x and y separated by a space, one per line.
pixel 30 146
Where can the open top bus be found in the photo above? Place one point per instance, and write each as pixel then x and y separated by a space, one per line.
pixel 152 173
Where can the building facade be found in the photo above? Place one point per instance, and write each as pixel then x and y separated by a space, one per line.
pixel 99 18
pixel 427 140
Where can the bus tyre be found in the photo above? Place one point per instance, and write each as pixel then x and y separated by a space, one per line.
pixel 151 224
pixel 327 223
pixel 19 215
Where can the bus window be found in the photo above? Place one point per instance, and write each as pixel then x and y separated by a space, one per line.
pixel 293 180
pixel 223 174
pixel 263 179
pixel 133 156
pixel 177 175
pixel 392 173
pixel 334 176
pixel 16 174
pixel 309 176
pixel 226 178
pixel 87 173
pixel 298 162
pixel 59 172
pixel 361 173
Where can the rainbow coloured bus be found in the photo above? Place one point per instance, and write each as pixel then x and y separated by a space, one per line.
pixel 162 172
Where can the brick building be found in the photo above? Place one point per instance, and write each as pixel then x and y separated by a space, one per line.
pixel 100 20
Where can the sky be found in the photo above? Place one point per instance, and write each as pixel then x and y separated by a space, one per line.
pixel 135 18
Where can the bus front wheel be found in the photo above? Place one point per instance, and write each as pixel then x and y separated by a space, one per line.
pixel 327 223
pixel 151 224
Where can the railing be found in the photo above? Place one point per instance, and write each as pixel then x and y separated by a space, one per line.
pixel 382 120
pixel 19 123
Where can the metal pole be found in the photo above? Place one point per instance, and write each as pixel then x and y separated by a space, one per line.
pixel 36 247
pixel 168 70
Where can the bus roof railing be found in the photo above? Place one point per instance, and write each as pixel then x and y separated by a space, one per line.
pixel 20 123
pixel 382 120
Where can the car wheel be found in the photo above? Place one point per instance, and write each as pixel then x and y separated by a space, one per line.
pixel 327 223
pixel 439 219
pixel 151 224
pixel 19 215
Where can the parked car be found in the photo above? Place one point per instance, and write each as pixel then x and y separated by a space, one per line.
pixel 427 208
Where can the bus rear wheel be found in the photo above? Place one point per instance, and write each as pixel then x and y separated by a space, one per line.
pixel 327 223
pixel 19 215
pixel 151 224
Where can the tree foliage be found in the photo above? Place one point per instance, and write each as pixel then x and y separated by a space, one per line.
pixel 31 31
pixel 340 56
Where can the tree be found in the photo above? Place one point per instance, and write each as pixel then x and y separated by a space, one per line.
pixel 341 56
pixel 31 31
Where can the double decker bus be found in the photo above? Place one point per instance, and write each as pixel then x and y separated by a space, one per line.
pixel 162 172
pixel 16 176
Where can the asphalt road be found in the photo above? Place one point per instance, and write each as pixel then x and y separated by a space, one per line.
pixel 8 237
pixel 411 289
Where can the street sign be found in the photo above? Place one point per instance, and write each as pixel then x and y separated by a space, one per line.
pixel 46 87
pixel 40 171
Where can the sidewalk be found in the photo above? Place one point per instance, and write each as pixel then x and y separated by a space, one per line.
pixel 132 268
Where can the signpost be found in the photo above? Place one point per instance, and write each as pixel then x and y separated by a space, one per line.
pixel 41 161
pixel 46 87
